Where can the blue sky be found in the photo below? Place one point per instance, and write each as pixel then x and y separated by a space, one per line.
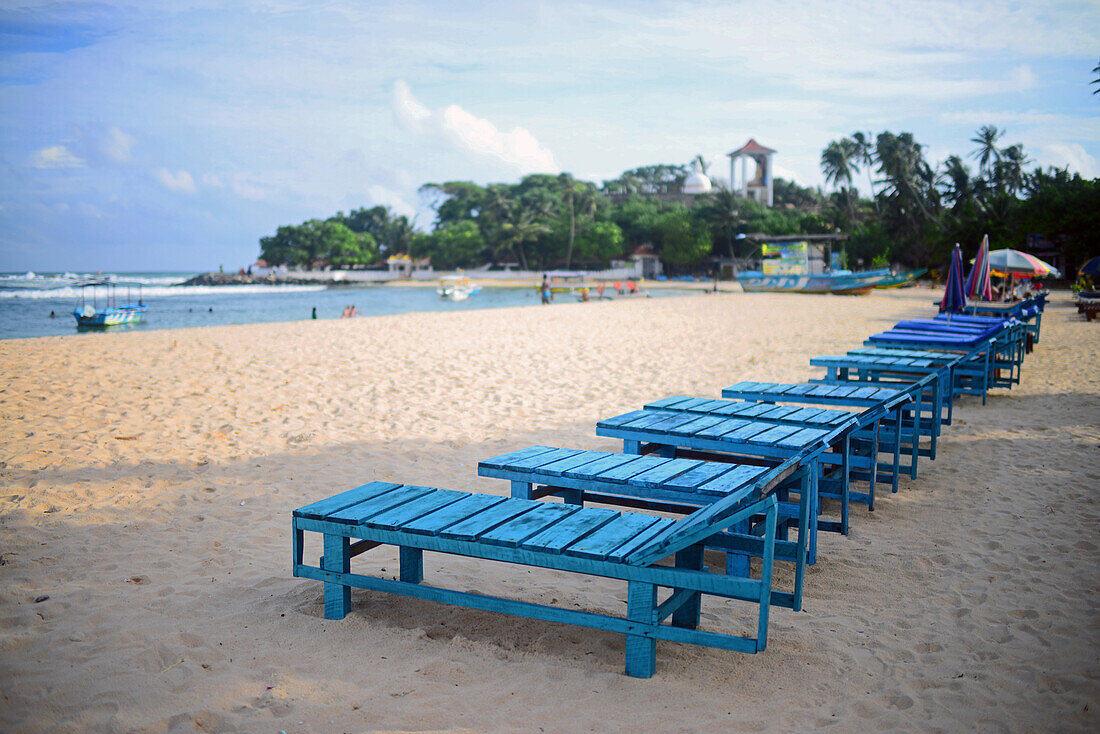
pixel 161 135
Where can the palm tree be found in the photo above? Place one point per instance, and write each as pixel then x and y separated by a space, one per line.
pixel 956 178
pixel 908 177
pixel 865 153
pixel 721 209
pixel 580 199
pixel 1096 81
pixel 1009 171
pixel 838 163
pixel 986 152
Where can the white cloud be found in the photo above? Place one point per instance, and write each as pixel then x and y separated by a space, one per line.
pixel 56 156
pixel 212 180
pixel 180 181
pixel 408 110
pixel 517 149
pixel 116 145
pixel 1071 155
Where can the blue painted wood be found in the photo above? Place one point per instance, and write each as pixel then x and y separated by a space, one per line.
pixel 410 511
pixel 599 466
pixel 486 520
pixel 697 478
pixel 665 472
pixel 545 531
pixel 687 613
pixel 641 651
pixel 611 536
pixel 344 499
pixel 355 514
pixel 411 562
pixel 515 531
pixel 435 522
pixel 570 530
pixel 520 455
pixel 337 558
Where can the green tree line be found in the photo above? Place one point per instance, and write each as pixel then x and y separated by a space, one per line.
pixel 915 213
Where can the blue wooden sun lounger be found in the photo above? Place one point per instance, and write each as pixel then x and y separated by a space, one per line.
pixel 861 446
pixel 663 485
pixel 892 371
pixel 715 438
pixel 987 363
pixel 905 402
pixel 587 540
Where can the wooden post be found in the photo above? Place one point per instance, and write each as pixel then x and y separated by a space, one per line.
pixel 337 558
pixel 688 614
pixel 412 564
pixel 641 651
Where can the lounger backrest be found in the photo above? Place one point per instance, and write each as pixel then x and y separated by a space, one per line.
pixel 708 520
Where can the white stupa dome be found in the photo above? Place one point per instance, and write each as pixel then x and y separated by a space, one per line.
pixel 697 182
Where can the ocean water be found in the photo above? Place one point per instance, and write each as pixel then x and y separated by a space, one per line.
pixel 27 299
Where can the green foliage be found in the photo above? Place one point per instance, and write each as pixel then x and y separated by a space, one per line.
pixel 916 213
pixel 317 241
pixel 684 239
pixel 599 242
pixel 456 245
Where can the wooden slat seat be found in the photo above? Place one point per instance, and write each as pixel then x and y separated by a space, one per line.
pixel 672 485
pixel 687 434
pixel 589 540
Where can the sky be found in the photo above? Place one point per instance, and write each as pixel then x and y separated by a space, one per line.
pixel 173 135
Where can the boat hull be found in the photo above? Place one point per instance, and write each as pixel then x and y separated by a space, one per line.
pixel 93 318
pixel 851 284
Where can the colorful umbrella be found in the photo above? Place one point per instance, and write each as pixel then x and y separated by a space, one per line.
pixel 1092 267
pixel 1015 263
pixel 978 286
pixel 954 300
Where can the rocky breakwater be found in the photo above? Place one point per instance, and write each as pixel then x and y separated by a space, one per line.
pixel 246 279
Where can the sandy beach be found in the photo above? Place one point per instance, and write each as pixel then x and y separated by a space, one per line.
pixel 148 481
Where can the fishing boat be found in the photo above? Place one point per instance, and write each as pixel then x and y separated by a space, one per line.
pixel 456 288
pixel 800 266
pixel 90 314
pixel 904 279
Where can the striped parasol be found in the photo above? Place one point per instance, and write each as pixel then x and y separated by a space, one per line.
pixel 954 300
pixel 979 286
pixel 1014 263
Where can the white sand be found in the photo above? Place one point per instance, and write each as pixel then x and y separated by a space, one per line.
pixel 149 480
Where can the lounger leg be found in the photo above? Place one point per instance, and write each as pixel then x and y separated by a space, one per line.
pixel 337 558
pixel 845 491
pixel 412 564
pixel 688 614
pixel 737 563
pixel 766 577
pixel 803 536
pixel 815 509
pixel 641 651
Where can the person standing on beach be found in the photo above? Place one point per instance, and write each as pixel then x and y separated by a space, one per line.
pixel 545 290
pixel 314 313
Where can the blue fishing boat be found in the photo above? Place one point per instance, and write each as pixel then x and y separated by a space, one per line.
pixel 799 266
pixel 90 314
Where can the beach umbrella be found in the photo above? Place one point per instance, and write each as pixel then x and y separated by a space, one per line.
pixel 979 286
pixel 954 300
pixel 1014 263
pixel 1092 267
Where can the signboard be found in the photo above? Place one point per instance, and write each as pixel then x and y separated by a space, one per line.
pixel 784 258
